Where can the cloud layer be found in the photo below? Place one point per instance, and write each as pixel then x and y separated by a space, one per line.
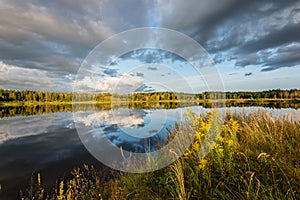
pixel 50 39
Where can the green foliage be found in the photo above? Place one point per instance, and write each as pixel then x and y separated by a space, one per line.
pixel 22 96
pixel 270 94
pixel 33 96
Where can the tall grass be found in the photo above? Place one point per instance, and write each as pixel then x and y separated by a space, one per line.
pixel 256 156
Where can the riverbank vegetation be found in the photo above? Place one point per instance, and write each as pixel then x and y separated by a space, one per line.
pixel 256 156
pixel 30 98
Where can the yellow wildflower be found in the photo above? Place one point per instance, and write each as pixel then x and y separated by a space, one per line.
pixel 187 153
pixel 230 143
pixel 197 135
pixel 234 125
pixel 218 148
pixel 220 139
pixel 202 163
pixel 204 126
pixel 196 146
pixel 39 179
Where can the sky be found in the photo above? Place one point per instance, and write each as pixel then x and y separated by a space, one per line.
pixel 255 45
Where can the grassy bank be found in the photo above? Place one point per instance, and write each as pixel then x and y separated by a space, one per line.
pixel 256 156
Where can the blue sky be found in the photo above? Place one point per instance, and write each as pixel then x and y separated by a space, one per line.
pixel 255 44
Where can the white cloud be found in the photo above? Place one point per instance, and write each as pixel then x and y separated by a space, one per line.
pixel 17 77
pixel 122 117
pixel 125 83
pixel 17 127
pixel 21 78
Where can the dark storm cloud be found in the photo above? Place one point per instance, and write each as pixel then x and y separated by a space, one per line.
pixel 271 59
pixel 55 36
pixel 52 35
pixel 259 41
pixel 239 29
pixel 286 35
pixel 224 29
pixel 233 30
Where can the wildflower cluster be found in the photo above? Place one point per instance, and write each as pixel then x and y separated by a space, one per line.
pixel 226 144
pixel 201 126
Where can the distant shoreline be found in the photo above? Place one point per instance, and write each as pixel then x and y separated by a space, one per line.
pixel 35 98
pixel 43 103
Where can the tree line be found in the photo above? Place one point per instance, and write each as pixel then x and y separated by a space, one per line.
pixel 270 94
pixel 31 95
pixel 39 96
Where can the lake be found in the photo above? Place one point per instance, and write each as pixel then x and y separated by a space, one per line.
pixel 53 141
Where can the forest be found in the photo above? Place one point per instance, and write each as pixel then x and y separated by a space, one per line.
pixel 60 97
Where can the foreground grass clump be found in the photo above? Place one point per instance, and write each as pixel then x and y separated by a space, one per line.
pixel 256 156
pixel 85 184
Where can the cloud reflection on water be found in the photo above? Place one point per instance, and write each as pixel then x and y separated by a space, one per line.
pixel 16 127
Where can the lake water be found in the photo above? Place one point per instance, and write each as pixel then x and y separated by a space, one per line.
pixel 49 143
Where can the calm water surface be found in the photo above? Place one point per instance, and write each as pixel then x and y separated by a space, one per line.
pixel 50 144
